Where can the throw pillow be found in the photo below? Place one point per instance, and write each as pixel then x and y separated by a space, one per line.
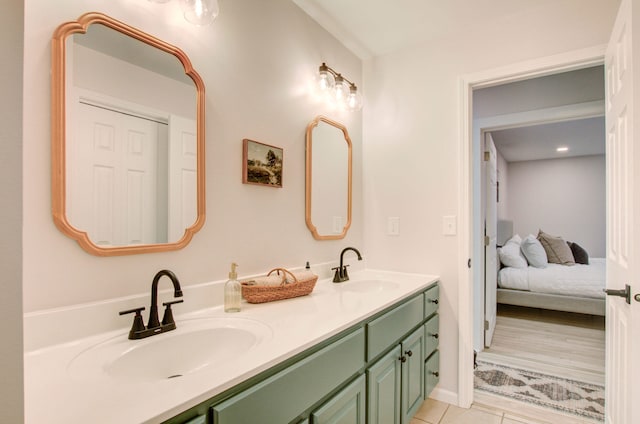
pixel 557 250
pixel 534 252
pixel 579 254
pixel 510 254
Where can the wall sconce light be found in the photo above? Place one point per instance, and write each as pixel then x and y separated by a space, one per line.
pixel 197 12
pixel 341 89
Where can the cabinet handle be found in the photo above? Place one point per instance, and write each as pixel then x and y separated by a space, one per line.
pixel 408 352
pixel 433 301
pixel 435 373
pixel 403 359
pixel 435 335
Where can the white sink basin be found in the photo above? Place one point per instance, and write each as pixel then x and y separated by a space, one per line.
pixel 195 345
pixel 366 286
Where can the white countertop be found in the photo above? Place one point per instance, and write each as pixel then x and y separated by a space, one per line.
pixel 54 395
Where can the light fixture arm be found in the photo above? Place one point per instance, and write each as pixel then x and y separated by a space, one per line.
pixel 325 68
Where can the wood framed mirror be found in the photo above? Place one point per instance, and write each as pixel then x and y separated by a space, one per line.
pixel 128 139
pixel 328 179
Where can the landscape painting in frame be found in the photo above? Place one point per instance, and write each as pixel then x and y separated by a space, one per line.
pixel 262 164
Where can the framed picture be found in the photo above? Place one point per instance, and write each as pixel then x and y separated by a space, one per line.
pixel 261 164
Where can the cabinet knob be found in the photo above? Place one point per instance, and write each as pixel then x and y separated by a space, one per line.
pixel 403 359
pixel 436 373
pixel 433 301
pixel 435 335
pixel 408 353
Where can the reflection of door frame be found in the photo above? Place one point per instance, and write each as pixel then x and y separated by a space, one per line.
pixel 468 208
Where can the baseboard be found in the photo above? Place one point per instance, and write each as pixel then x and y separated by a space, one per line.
pixel 443 395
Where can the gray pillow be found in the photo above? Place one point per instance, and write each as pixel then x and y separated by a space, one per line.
pixel 534 252
pixel 557 250
pixel 579 254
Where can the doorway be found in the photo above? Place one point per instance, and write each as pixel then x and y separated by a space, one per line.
pixel 471 223
pixel 542 167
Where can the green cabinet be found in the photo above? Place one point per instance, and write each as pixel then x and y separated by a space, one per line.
pixel 387 329
pixel 285 395
pixel 396 382
pixel 346 407
pixel 432 341
pixel 383 389
pixel 412 360
pixel 377 372
pixel 431 372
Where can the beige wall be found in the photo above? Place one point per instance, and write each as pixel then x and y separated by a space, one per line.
pixel 257 61
pixel 412 132
pixel 11 44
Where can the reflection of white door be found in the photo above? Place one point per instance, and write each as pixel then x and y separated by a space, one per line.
pixel 183 181
pixel 114 163
pixel 491 236
pixel 623 230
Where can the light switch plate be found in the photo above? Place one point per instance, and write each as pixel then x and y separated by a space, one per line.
pixel 449 225
pixel 393 226
pixel 337 225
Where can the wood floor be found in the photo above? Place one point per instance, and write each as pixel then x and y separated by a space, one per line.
pixel 560 343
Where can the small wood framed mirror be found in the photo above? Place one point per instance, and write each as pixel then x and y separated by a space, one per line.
pixel 328 179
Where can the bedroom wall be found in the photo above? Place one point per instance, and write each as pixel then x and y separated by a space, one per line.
pixel 564 197
pixel 257 60
pixel 412 130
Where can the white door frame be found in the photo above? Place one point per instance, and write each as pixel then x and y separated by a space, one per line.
pixel 468 223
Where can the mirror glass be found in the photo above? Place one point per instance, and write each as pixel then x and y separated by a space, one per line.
pixel 128 139
pixel 328 185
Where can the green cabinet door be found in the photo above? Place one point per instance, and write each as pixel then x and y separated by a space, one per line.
pixel 431 373
pixel 383 389
pixel 346 407
pixel 412 374
pixel 431 335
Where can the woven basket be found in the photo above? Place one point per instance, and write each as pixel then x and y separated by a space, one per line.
pixel 286 290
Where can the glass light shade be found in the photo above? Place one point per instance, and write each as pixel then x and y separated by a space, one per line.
pixel 341 91
pixel 354 99
pixel 200 12
pixel 325 80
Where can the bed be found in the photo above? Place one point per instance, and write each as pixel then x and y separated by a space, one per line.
pixel 577 288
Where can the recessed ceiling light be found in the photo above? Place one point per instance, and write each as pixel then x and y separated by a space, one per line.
pixel 562 149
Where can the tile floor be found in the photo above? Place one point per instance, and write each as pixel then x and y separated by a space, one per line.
pixel 489 410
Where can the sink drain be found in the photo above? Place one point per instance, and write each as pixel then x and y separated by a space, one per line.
pixel 174 376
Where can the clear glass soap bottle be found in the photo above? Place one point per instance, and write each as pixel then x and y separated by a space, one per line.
pixel 232 291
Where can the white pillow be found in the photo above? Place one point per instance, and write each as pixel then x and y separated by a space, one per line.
pixel 511 255
pixel 534 252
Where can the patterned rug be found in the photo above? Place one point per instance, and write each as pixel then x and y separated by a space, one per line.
pixel 569 396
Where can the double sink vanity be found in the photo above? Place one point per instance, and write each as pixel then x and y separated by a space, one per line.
pixel 361 351
pixel 364 350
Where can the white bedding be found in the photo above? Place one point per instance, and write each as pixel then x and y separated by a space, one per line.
pixel 577 280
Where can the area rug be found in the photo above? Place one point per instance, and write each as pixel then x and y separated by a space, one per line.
pixel 569 396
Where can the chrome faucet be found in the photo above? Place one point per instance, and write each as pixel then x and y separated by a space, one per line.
pixel 341 274
pixel 138 330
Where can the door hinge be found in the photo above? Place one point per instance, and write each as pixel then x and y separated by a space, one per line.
pixel 487 156
pixel 486 325
pixel 487 240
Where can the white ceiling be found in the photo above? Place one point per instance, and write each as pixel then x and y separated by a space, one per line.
pixel 377 27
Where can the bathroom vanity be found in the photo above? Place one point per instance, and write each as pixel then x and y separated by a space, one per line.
pixel 364 351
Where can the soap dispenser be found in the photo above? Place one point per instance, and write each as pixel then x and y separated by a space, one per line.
pixel 232 291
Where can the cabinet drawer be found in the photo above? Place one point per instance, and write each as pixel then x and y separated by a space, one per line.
pixel 431 373
pixel 283 396
pixel 431 335
pixel 347 407
pixel 387 329
pixel 431 300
